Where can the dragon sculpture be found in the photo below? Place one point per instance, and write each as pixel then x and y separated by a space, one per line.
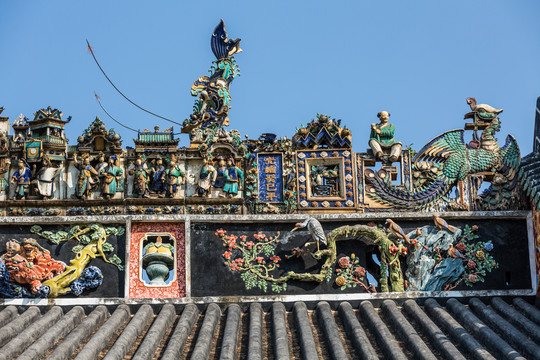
pixel 445 161
pixel 212 106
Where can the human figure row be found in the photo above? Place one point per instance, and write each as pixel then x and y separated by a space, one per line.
pixel 95 177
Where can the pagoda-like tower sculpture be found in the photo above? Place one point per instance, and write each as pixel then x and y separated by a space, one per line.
pixel 47 138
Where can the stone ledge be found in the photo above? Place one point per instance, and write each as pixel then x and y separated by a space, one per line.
pixel 378 297
pixel 518 214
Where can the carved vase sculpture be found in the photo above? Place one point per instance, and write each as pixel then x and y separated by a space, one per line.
pixel 158 261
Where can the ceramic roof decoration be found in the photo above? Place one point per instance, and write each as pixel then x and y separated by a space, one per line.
pixel 278 246
pixel 20 121
pixel 323 132
pixel 211 109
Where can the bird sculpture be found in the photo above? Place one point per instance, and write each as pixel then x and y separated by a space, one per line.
pixel 483 108
pixel 222 47
pixel 454 253
pixel 442 224
pixel 315 229
pixel 397 231
pixel 418 232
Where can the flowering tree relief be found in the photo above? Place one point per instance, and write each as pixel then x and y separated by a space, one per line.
pixel 255 259
pixel 437 258
pixel 350 274
pixel 476 256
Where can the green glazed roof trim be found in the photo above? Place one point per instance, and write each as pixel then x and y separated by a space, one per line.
pixel 155 137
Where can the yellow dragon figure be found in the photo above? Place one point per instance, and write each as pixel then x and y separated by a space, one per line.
pixel 60 284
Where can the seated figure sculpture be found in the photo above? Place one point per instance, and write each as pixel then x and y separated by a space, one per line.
pixel 382 138
pixel 30 264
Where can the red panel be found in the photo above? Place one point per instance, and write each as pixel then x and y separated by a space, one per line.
pixel 137 289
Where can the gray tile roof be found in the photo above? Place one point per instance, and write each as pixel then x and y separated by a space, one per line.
pixel 488 329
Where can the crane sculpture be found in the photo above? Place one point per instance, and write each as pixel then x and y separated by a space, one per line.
pixel 315 229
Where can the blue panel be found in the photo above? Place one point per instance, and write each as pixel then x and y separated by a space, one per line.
pixel 270 169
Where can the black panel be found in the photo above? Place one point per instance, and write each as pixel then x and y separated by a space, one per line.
pixel 210 277
pixel 113 278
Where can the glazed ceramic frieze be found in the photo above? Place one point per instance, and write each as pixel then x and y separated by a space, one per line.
pixel 325 179
pixel 223 172
pixel 52 261
pixel 358 256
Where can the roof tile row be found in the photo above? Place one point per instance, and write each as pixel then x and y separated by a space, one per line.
pixel 477 330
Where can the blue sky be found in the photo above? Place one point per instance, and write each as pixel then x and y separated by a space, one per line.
pixel 419 60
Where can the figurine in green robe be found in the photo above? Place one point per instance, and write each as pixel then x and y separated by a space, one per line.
pixel 174 177
pixel 112 176
pixel 234 177
pixel 382 137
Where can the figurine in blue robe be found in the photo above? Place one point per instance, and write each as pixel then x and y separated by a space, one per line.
pixel 158 178
pixel 221 175
pixel 22 178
